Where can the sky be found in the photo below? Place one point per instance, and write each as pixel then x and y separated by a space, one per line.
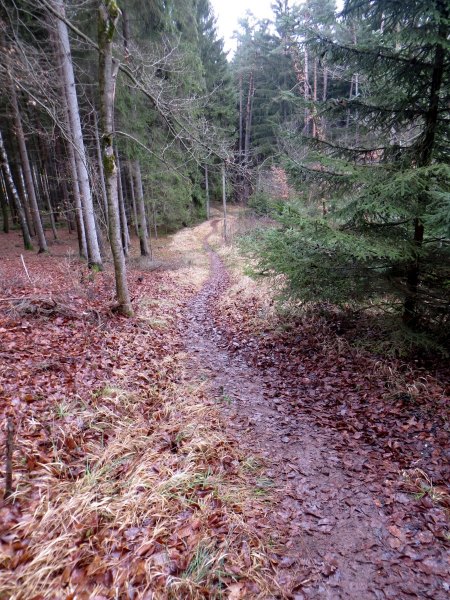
pixel 228 13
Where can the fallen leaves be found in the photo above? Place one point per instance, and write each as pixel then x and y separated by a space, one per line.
pixel 120 465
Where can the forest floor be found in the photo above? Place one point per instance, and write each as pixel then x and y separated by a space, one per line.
pixel 210 447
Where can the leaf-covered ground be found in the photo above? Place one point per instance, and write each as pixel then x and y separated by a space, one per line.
pixel 208 448
pixel 124 483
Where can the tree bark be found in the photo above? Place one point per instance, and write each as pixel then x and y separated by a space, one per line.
pixel 410 312
pixel 108 15
pixel 28 176
pixel 224 202
pixel 101 170
pixel 306 94
pixel 72 166
pixel 93 250
pixel 123 215
pixel 42 183
pixel 241 120
pixel 133 197
pixel 207 192
pixel 142 221
pixel 314 124
pixel 248 119
pixel 77 200
pixel 325 83
pixel 20 187
pixel 4 202
pixel 15 196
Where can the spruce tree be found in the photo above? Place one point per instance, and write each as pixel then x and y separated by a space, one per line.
pixel 385 238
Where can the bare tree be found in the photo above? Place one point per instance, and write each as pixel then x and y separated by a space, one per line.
pixel 108 15
pixel 142 220
pixel 15 196
pixel 207 192
pixel 26 166
pixel 93 250
pixel 224 202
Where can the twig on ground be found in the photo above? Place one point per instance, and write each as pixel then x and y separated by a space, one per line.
pixel 9 455
pixel 25 267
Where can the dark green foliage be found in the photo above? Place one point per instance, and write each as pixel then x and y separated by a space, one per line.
pixel 193 74
pixel 372 223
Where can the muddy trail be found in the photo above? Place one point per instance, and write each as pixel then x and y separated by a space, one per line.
pixel 337 540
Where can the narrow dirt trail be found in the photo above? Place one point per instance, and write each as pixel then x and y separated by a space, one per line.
pixel 328 543
pixel 335 535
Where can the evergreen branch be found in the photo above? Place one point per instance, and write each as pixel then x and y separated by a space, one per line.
pixel 319 171
pixel 373 54
pixel 345 148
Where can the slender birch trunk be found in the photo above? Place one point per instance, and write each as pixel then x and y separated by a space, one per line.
pixel 108 15
pixel 15 196
pixel 93 250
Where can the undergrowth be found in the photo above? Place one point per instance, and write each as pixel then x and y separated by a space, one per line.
pixel 159 507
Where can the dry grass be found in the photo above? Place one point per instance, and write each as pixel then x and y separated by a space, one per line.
pixel 420 484
pixel 159 505
pixel 161 508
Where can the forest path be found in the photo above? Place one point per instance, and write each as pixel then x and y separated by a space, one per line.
pixel 326 519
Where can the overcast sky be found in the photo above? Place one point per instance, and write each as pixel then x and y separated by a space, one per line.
pixel 228 13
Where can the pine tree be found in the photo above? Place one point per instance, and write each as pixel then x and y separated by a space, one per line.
pixel 385 238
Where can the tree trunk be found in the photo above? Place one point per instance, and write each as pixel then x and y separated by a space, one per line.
pixel 123 216
pixel 224 202
pixel 248 127
pixel 325 83
pixel 155 222
pixel 248 119
pixel 101 170
pixel 306 94
pixel 46 194
pixel 28 176
pixel 108 14
pixel 72 165
pixel 207 192
pixel 314 116
pixel 4 201
pixel 15 196
pixel 77 201
pixel 241 120
pixel 142 221
pixel 133 197
pixel 93 250
pixel 410 312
